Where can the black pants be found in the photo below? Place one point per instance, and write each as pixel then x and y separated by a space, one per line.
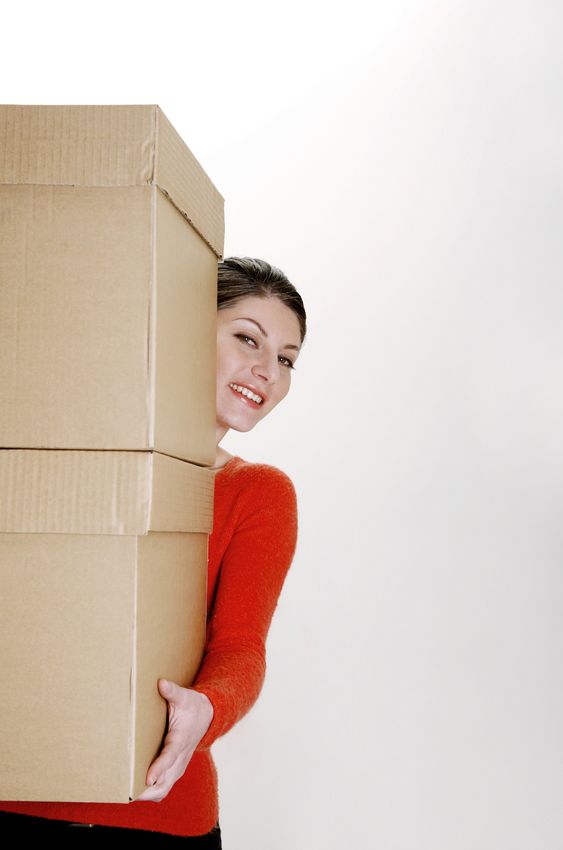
pixel 65 834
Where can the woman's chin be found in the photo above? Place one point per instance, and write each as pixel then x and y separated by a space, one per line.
pixel 243 427
pixel 236 424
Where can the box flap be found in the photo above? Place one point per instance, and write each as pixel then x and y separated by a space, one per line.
pixel 182 495
pixel 109 146
pixel 77 145
pixel 98 492
pixel 180 176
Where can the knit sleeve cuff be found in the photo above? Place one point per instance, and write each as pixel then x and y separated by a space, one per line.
pixel 213 730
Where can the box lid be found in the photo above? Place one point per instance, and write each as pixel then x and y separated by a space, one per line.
pixel 102 492
pixel 109 146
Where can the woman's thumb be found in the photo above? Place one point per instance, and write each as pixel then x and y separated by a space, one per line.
pixel 165 686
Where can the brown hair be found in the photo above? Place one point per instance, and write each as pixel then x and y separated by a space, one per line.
pixel 240 277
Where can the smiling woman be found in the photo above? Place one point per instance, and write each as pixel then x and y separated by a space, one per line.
pixel 261 326
pixel 258 340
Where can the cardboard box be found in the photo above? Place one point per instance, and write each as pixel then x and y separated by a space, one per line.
pixel 108 266
pixel 103 576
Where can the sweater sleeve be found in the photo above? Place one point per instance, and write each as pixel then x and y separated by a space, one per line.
pixel 251 578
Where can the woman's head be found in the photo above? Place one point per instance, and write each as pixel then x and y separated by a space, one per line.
pixel 261 325
pixel 239 277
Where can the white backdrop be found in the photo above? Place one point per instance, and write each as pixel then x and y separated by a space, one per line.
pixel 404 168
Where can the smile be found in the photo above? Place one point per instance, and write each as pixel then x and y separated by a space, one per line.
pixel 257 399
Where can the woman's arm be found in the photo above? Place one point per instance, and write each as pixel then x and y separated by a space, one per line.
pixel 232 672
pixel 252 575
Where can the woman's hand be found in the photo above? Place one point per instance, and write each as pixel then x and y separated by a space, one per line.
pixel 189 716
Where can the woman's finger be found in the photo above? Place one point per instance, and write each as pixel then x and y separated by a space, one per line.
pixel 162 780
pixel 171 691
pixel 171 756
pixel 169 753
pixel 156 792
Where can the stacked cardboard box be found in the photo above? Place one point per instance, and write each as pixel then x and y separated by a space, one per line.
pixel 108 259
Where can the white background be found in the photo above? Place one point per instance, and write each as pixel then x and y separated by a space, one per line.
pixel 404 167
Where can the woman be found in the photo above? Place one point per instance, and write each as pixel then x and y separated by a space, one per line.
pixel 261 325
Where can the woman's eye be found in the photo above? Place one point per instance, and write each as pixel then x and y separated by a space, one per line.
pixel 286 362
pixel 246 339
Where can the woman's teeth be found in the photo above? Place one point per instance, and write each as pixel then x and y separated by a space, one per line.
pixel 258 399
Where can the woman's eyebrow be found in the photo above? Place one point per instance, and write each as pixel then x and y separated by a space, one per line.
pixel 259 326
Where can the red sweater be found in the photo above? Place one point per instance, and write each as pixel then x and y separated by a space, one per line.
pixel 250 551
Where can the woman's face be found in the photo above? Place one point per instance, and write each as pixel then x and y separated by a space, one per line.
pixel 258 340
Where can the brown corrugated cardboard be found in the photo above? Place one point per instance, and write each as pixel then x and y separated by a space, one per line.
pixel 91 619
pixel 108 312
pixel 89 623
pixel 108 263
pixel 109 146
pixel 102 493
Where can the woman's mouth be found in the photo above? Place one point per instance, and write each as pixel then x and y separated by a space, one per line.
pixel 248 396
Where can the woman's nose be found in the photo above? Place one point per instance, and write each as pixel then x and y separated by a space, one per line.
pixel 267 368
